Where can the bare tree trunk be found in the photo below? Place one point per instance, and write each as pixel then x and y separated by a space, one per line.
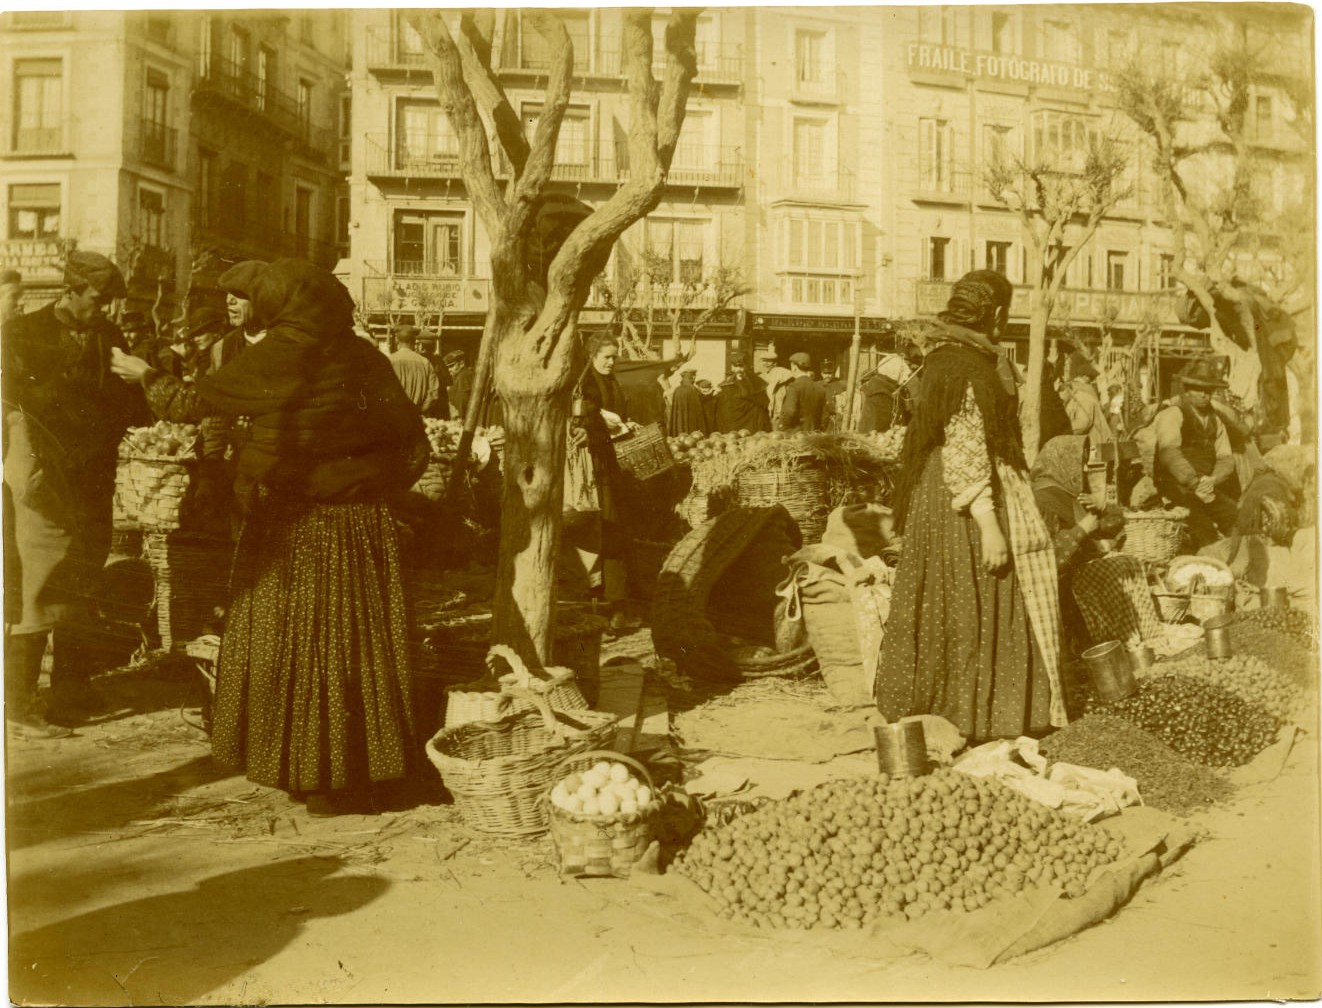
pixel 1031 419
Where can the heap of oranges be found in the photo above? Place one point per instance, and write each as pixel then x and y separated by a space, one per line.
pixel 851 852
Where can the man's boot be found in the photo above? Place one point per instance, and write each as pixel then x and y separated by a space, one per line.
pixel 71 698
pixel 23 656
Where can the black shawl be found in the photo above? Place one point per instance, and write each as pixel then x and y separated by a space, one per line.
pixel 948 370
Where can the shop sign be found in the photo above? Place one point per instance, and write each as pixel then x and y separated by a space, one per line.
pixel 984 66
pixel 820 323
pixel 31 255
pixel 1072 305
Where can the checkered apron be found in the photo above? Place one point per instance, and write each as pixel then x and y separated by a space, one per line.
pixel 1115 600
pixel 1035 572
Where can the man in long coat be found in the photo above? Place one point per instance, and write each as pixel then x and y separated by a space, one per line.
pixel 741 401
pixel 686 414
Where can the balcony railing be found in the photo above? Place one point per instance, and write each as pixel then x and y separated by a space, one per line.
pixel 821 186
pixel 949 184
pixel 1077 305
pixel 39 142
pixel 228 80
pixel 157 144
pixel 601 163
pixel 385 288
pixel 385 51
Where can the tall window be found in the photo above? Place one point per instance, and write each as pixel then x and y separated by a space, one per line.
pixel 346 127
pixel 998 257
pixel 813 156
pixel 681 243
pixel 34 210
pixel 533 51
pixel 1061 140
pixel 935 155
pixel 38 105
pixel 428 244
pixel 939 259
pixel 240 48
pixel 1166 271
pixel 998 145
pixel 424 135
pixel 266 77
pixel 829 246
pixel 1115 270
pixel 205 27
pixel 1115 48
pixel 1003 33
pixel 208 188
pixel 572 146
pixel 810 59
pixel 155 114
pixel 305 102
pixel 938 25
pixel 693 151
pixel 1262 116
pixel 151 218
pixel 1060 41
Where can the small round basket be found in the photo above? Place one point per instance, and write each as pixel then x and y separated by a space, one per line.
pixel 1154 536
pixel 600 845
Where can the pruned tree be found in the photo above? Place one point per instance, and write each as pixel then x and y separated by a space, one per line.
pixel 530 344
pixel 1060 201
pixel 1215 175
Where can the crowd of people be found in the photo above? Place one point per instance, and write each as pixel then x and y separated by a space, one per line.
pixel 313 433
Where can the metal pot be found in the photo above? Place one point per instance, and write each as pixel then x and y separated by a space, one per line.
pixel 1111 671
pixel 1141 658
pixel 1274 597
pixel 902 749
pixel 1216 635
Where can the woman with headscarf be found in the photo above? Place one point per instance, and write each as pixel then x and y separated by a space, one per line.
pixel 1075 519
pixel 313 690
pixel 978 641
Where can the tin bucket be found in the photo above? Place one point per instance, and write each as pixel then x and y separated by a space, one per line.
pixel 1141 658
pixel 902 749
pixel 1274 597
pixel 1111 672
pixel 1216 635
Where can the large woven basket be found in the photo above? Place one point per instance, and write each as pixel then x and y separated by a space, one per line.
pixel 485 700
pixel 644 452
pixel 1154 536
pixel 149 492
pixel 499 771
pixel 600 845
pixel 803 491
pixel 191 578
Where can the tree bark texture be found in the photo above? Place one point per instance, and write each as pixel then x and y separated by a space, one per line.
pixel 1039 310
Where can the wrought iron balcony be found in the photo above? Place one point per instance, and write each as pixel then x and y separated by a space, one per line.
pixel 157 144
pixel 237 85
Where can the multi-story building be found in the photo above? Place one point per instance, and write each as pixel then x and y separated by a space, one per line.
pixel 836 156
pixel 159 137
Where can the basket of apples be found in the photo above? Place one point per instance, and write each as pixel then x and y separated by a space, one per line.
pixel 152 476
pixel 603 810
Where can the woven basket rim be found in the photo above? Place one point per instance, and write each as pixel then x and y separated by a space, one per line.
pixel 618 818
pixel 1174 514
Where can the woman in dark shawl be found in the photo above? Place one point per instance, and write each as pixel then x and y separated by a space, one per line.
pixel 978 640
pixel 313 691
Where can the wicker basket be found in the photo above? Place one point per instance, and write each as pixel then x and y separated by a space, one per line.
pixel 484 701
pixel 600 845
pixel 1154 536
pixel 1226 591
pixel 1171 606
pixel 644 452
pixel 431 484
pixel 499 771
pixel 149 492
pixel 191 577
pixel 803 491
pixel 762 663
pixel 460 642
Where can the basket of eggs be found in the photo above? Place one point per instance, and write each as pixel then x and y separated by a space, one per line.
pixel 602 809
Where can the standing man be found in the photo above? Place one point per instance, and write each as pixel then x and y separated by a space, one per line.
pixel 413 370
pixel 834 386
pixel 65 414
pixel 686 414
pixel 461 382
pixel 11 293
pixel 1082 403
pixel 776 379
pixel 741 401
pixel 804 407
pixel 883 394
pixel 1193 455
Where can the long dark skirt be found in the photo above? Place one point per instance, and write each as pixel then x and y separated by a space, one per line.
pixel 313 682
pixel 958 643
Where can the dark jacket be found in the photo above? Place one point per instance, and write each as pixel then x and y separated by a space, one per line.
pixel 742 405
pixel 461 387
pixel 687 414
pixel 805 406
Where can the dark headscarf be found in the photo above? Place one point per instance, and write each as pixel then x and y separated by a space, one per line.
pixel 1060 464
pixel 303 301
pixel 975 300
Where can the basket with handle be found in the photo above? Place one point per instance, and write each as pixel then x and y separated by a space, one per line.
pixel 802 490
pixel 499 771
pixel 1154 536
pixel 601 845
pixel 484 699
pixel 1172 607
pixel 644 452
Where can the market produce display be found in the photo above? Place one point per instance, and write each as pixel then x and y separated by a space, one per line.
pixel 444 438
pixel 1184 576
pixel 162 440
pixel 1166 780
pixel 1295 622
pixel 889 442
pixel 851 852
pixel 1295 660
pixel 1204 722
pixel 604 789
pixel 1246 676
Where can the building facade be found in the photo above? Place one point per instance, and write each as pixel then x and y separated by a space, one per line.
pixel 836 157
pixel 173 142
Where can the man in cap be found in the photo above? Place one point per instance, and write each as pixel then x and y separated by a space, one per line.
pixel 461 381
pixel 741 401
pixel 804 407
pixel 413 370
pixel 686 414
pixel 834 386
pixel 1194 460
pixel 238 282
pixel 139 334
pixel 64 416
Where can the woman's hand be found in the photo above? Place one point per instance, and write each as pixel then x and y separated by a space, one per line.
pixel 578 437
pixel 995 551
pixel 131 369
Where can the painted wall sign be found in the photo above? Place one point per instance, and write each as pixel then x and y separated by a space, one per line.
pixel 995 66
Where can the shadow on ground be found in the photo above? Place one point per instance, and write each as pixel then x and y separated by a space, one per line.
pixel 174 947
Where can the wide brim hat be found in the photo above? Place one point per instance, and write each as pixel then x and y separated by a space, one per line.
pixel 204 320
pixel 1201 374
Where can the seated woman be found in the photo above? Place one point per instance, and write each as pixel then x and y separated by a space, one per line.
pixel 1077 520
pixel 313 679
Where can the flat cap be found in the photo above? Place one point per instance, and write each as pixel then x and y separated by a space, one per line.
pixel 241 278
pixel 802 360
pixel 92 269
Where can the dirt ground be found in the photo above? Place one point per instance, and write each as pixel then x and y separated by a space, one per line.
pixel 140 873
